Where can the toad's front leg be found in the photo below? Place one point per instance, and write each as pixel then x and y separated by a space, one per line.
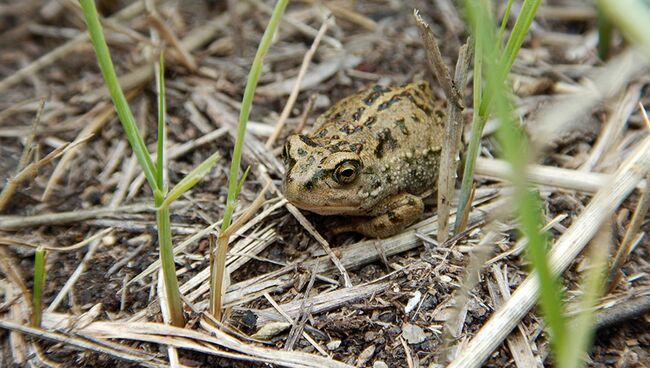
pixel 391 216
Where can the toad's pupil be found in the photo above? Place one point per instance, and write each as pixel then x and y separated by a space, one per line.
pixel 347 173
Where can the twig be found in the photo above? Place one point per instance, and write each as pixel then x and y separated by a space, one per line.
pixel 452 146
pixel 143 359
pixel 630 235
pixel 436 63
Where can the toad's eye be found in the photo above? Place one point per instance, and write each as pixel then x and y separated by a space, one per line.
pixel 346 171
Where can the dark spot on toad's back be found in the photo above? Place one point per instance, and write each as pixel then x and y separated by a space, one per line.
pixel 386 104
pixel 370 121
pixel 308 141
pixel 357 115
pixel 385 141
pixel 402 126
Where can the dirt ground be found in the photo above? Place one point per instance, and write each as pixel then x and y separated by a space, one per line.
pixel 404 288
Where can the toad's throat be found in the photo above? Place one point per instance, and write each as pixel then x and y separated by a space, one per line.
pixel 326 209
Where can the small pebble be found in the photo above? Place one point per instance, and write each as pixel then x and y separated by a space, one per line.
pixel 413 302
pixel 333 345
pixel 413 334
pixel 379 364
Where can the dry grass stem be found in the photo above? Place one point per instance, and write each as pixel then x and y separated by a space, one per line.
pixel 69 248
pixel 31 170
pixel 559 117
pixel 172 353
pixel 550 176
pixel 631 234
pixel 294 324
pixel 319 238
pixel 518 342
pixel 296 88
pixel 101 115
pixel 168 35
pixel 436 63
pixel 298 25
pixel 454 325
pixel 124 354
pixel 64 50
pixel 449 156
pixel 614 127
pixel 8 223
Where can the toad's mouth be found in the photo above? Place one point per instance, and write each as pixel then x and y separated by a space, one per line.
pixel 326 209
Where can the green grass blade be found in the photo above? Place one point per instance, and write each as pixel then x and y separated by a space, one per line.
pixel 161 156
pixel 474 8
pixel 478 124
pixel 39 285
pixel 496 68
pixel 504 22
pixel 247 101
pixel 518 34
pixel 191 179
pixel 593 286
pixel 119 100
pixel 242 180
pixel 605 30
pixel 166 252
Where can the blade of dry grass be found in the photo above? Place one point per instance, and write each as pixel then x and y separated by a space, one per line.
pixel 296 88
pixel 31 170
pixel 449 157
pixel 630 235
pixel 141 358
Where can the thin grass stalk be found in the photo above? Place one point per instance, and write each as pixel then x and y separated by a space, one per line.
pixel 233 182
pixel 117 95
pixel 39 285
pixel 593 286
pixel 161 152
pixel 506 59
pixel 514 150
pixel 605 30
pixel 518 34
pixel 165 246
pixel 475 137
pixel 631 17
pixel 155 175
pixel 166 251
pixel 504 22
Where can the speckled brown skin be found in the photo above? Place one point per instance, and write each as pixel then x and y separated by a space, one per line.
pixel 372 155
